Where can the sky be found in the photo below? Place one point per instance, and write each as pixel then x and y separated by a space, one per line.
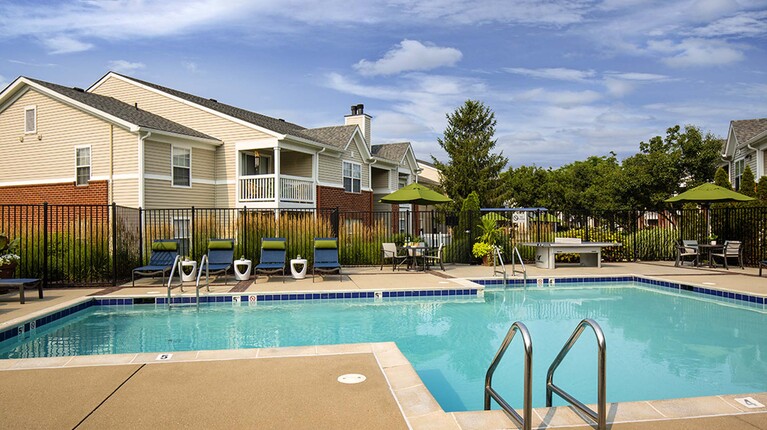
pixel 566 79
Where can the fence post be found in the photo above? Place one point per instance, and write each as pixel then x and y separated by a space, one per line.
pixel 114 244
pixel 334 221
pixel 588 219
pixel 191 240
pixel 635 227
pixel 244 250
pixel 140 237
pixel 45 246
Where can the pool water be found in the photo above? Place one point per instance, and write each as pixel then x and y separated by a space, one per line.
pixel 659 344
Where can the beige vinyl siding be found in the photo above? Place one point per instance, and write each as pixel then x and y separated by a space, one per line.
pixel 159 192
pixel 330 170
pixel 191 116
pixel 741 153
pixel 49 154
pixel 353 154
pixel 125 159
pixel 296 164
pixel 380 178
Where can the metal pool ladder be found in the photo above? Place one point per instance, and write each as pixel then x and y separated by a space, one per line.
pixel 514 271
pixel 177 265
pixel 525 420
pixel 497 258
pixel 600 417
pixel 498 261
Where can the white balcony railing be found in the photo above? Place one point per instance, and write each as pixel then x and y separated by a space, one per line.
pixel 260 188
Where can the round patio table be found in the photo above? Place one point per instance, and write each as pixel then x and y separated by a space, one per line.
pixel 709 248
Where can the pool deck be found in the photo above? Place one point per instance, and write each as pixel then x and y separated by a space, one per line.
pixel 296 387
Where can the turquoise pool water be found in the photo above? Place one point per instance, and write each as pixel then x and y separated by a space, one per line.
pixel 659 344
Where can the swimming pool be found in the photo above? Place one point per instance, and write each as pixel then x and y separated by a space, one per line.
pixel 660 344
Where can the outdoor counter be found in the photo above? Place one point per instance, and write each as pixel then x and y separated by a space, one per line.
pixel 590 252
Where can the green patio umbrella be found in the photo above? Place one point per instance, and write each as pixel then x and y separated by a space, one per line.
pixel 705 195
pixel 417 194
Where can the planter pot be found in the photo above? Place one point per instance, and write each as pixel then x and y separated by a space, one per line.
pixel 7 271
pixel 487 260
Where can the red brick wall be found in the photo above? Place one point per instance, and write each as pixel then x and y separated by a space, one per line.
pixel 330 198
pixel 96 193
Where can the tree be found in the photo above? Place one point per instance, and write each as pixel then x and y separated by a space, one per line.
pixel 748 183
pixel 761 189
pixel 698 154
pixel 468 141
pixel 722 179
pixel 525 186
pixel 585 186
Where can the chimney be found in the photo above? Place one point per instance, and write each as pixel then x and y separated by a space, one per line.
pixel 359 118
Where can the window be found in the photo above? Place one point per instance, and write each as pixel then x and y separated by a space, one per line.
pixel 253 163
pixel 352 177
pixel 30 119
pixel 182 167
pixel 737 172
pixel 82 165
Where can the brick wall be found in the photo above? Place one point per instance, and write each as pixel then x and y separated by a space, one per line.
pixel 96 193
pixel 330 198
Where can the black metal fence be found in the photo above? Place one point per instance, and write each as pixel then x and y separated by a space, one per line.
pixel 100 244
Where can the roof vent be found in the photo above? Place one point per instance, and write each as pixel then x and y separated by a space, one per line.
pixel 213 100
pixel 358 109
pixel 280 119
pixel 135 105
pixel 78 89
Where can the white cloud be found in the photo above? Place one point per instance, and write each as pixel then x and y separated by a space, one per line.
pixel 702 52
pixel 561 74
pixel 123 66
pixel 410 55
pixel 62 44
pixel 191 66
pixel 620 84
pixel 747 24
pixel 563 99
pixel 635 76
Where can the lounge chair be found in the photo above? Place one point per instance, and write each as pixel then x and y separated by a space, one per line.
pixel 326 257
pixel 164 256
pixel 219 259
pixel 389 251
pixel 687 249
pixel 436 258
pixel 732 249
pixel 272 261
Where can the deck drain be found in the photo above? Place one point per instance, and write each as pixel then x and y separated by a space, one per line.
pixel 351 378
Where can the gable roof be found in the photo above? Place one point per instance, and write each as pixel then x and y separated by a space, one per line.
pixel 390 151
pixel 337 136
pixel 121 110
pixel 747 129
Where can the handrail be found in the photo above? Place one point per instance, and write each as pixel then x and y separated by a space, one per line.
pixel 600 417
pixel 514 270
pixel 176 265
pixel 525 421
pixel 498 258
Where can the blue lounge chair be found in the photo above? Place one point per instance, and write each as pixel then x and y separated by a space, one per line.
pixel 164 254
pixel 220 258
pixel 326 256
pixel 272 261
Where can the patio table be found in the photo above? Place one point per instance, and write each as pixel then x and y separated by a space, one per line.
pixel 21 283
pixel 415 251
pixel 709 248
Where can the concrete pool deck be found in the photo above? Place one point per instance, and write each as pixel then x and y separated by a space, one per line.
pixel 394 385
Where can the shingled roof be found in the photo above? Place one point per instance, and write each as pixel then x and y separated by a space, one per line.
pixel 747 129
pixel 390 151
pixel 121 110
pixel 337 136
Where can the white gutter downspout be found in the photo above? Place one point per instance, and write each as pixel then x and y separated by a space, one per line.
pixel 141 185
pixel 316 174
pixel 759 161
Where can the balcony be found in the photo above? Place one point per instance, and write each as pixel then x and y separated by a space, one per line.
pixel 260 188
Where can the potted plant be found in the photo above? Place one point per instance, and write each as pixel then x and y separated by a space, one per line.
pixel 484 251
pixel 712 238
pixel 9 256
pixel 490 233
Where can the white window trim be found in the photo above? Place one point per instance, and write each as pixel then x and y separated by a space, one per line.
pixel 735 175
pixel 352 177
pixel 27 109
pixel 90 164
pixel 172 166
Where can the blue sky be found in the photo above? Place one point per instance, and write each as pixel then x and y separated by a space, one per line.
pixel 566 78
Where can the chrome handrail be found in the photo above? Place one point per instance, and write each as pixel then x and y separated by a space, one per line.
pixel 498 258
pixel 176 265
pixel 600 417
pixel 514 270
pixel 525 420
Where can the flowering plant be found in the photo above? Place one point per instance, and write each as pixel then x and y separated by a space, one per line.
pixel 9 253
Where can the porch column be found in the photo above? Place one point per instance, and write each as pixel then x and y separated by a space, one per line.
pixel 277 175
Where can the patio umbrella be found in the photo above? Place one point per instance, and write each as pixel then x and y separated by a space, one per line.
pixel 417 194
pixel 705 195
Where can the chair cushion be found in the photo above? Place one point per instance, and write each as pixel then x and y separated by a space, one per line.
pixel 272 244
pixel 220 244
pixel 164 245
pixel 325 244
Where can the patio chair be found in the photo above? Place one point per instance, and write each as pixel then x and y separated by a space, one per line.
pixel 762 264
pixel 219 259
pixel 273 250
pixel 163 257
pixel 687 249
pixel 326 257
pixel 435 257
pixel 732 249
pixel 389 251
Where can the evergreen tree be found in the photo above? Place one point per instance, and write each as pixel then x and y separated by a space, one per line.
pixel 468 141
pixel 469 211
pixel 721 179
pixel 761 189
pixel 748 183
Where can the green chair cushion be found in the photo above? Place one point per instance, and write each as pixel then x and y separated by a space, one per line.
pixel 164 245
pixel 220 244
pixel 272 244
pixel 325 244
